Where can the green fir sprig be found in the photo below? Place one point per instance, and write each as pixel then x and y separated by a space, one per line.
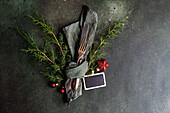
pixel 46 28
pixel 55 58
pixel 97 52
pixel 55 54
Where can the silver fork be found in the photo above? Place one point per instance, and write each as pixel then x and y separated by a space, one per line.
pixel 82 50
pixel 91 19
pixel 83 44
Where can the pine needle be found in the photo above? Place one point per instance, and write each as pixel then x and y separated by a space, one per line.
pixel 104 42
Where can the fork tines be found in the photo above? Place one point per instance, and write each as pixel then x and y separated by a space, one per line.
pixel 83 42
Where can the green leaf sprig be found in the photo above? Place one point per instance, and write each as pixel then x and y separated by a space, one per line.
pixel 97 51
pixel 55 58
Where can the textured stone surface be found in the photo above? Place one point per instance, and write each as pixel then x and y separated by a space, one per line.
pixel 138 78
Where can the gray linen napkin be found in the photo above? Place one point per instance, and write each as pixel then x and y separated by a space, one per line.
pixel 73 34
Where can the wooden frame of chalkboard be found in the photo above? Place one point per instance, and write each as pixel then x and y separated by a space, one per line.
pixel 94 81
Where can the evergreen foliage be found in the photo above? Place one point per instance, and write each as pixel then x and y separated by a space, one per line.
pixel 55 54
pixel 97 52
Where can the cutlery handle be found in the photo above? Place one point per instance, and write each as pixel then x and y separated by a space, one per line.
pixel 80 57
pixel 69 84
pixel 77 83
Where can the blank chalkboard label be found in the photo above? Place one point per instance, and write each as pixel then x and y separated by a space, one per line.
pixel 94 81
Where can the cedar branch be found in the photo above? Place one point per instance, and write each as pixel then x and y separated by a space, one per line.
pixel 58 43
pixel 46 56
pixel 95 54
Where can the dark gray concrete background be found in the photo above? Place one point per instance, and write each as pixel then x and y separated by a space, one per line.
pixel 138 79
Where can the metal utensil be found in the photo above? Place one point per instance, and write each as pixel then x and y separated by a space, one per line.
pixel 82 50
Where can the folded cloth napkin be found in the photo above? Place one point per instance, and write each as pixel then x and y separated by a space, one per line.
pixel 73 35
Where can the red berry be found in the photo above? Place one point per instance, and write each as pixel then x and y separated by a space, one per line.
pixel 62 91
pixel 53 85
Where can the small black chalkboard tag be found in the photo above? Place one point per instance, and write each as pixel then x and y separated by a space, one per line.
pixel 94 81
